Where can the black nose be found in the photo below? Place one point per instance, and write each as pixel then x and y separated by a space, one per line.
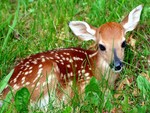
pixel 118 66
pixel 117 62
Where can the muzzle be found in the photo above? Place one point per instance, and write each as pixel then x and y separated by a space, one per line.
pixel 117 64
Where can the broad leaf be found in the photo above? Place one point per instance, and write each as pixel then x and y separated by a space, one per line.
pixel 22 99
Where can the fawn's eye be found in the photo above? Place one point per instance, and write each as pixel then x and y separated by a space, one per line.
pixel 102 47
pixel 123 45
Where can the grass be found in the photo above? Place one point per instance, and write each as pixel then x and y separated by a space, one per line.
pixel 32 26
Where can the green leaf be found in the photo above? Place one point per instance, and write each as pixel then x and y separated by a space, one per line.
pixel 94 98
pixel 22 99
pixel 4 82
pixel 93 86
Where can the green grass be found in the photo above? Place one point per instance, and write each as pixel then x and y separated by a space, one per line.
pixel 33 26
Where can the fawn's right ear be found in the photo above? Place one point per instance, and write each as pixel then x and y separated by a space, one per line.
pixel 82 30
pixel 130 22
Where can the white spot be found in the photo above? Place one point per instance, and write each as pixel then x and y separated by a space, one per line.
pixel 67 53
pixel 51 58
pixel 26 73
pixel 15 80
pixel 87 78
pixel 77 58
pixel 23 81
pixel 90 69
pixel 38 84
pixel 25 69
pixel 70 60
pixel 27 65
pixel 61 61
pixel 57 57
pixel 34 62
pixel 23 78
pixel 86 74
pixel 75 65
pixel 38 58
pixel 43 59
pixel 79 71
pixel 80 51
pixel 57 61
pixel 19 73
pixel 47 58
pixel 16 87
pixel 64 53
pixel 83 71
pixel 40 65
pixel 42 56
pixel 68 66
pixel 61 55
pixel 30 71
pixel 71 74
pixel 27 83
pixel 74 58
pixel 11 81
pixel 67 59
pixel 52 52
pixel 56 54
pixel 63 58
pixel 22 67
pixel 30 68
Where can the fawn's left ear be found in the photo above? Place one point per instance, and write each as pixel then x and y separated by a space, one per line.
pixel 130 22
pixel 83 30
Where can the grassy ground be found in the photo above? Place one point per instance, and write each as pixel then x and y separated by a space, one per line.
pixel 32 26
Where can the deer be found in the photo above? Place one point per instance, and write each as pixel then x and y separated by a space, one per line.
pixel 59 68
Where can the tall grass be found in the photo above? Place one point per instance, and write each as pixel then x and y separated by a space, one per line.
pixel 32 26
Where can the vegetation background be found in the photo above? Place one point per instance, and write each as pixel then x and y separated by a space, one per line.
pixel 32 26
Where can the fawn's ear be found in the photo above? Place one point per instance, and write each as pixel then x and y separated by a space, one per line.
pixel 82 30
pixel 130 22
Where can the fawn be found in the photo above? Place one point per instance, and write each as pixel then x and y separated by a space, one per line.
pixel 60 67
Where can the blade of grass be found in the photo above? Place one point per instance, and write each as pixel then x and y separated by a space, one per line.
pixel 11 27
pixel 6 103
pixel 4 82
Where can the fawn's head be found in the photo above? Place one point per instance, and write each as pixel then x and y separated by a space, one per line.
pixel 110 37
